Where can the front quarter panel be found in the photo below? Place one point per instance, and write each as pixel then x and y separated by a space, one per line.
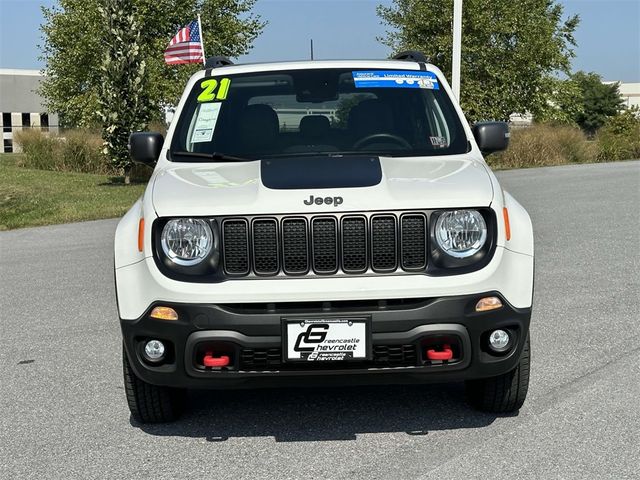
pixel 521 228
pixel 126 241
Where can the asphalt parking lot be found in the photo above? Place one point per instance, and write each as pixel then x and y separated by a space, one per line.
pixel 63 413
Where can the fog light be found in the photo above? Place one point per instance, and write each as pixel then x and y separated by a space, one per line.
pixel 499 341
pixel 154 350
pixel 164 313
pixel 488 303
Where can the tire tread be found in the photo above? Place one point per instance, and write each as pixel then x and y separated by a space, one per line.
pixel 504 393
pixel 150 403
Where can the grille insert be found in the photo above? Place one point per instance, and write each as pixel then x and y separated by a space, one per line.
pixel 384 255
pixel 236 246
pixel 325 244
pixel 295 246
pixel 354 244
pixel 265 247
pixel 414 241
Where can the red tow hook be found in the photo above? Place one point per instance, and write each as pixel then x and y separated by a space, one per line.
pixel 211 361
pixel 445 354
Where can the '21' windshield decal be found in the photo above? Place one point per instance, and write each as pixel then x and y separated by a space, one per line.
pixel 214 90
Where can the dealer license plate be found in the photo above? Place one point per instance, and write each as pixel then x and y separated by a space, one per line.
pixel 322 339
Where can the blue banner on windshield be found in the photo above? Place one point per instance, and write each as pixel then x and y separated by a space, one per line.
pixel 396 79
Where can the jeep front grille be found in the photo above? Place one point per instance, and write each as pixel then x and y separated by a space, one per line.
pixel 324 244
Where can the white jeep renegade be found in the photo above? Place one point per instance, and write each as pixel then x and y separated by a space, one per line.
pixel 322 221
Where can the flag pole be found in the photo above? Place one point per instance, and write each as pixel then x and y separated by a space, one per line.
pixel 201 40
pixel 457 48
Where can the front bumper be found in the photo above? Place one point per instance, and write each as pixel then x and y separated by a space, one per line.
pixel 251 334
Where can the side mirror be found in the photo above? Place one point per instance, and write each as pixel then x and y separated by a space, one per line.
pixel 145 147
pixel 491 136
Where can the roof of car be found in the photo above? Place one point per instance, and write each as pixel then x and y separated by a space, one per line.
pixel 318 64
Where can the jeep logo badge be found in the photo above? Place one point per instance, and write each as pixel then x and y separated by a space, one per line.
pixel 335 201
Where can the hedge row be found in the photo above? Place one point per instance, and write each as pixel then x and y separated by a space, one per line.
pixel 535 146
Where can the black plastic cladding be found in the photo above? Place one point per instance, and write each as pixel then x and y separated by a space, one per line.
pixel 212 270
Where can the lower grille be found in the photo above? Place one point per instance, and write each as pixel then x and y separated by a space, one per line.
pixel 383 356
pixel 260 359
pixel 395 355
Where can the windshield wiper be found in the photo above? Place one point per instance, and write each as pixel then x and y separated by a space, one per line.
pixel 214 156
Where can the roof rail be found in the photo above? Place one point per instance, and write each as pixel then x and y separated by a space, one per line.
pixel 217 62
pixel 411 56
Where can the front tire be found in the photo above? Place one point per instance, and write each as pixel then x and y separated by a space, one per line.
pixel 505 393
pixel 150 403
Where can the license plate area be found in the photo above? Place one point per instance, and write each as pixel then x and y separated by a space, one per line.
pixel 326 339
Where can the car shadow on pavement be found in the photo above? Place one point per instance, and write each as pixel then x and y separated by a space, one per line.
pixel 315 414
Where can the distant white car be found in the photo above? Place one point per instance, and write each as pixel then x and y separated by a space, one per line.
pixel 322 221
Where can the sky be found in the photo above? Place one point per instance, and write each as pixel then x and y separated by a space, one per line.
pixel 608 36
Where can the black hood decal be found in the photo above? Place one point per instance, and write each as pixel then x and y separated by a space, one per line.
pixel 293 173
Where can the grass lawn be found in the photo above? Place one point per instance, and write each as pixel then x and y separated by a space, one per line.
pixel 38 197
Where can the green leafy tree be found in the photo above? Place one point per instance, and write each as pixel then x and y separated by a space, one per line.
pixel 71 51
pixel 562 104
pixel 599 101
pixel 509 48
pixel 123 100
pixel 619 137
pixel 73 33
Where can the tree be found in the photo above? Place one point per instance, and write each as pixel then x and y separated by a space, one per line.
pixel 599 101
pixel 124 101
pixel 509 48
pixel 73 34
pixel 563 103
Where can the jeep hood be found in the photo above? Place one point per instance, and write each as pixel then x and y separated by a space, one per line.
pixel 198 189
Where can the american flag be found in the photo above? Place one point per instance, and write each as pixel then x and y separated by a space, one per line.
pixel 186 46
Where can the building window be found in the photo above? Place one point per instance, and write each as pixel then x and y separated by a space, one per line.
pixel 8 145
pixel 6 122
pixel 26 119
pixel 44 122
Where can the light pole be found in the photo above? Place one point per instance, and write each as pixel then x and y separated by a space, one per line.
pixel 457 48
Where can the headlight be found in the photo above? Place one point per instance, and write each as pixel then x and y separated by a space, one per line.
pixel 186 241
pixel 461 233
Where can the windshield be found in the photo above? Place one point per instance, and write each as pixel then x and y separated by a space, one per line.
pixel 317 112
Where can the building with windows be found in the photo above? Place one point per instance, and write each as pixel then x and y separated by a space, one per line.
pixel 21 106
pixel 630 93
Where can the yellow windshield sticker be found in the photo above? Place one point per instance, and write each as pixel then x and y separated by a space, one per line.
pixel 209 93
pixel 208 90
pixel 224 88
